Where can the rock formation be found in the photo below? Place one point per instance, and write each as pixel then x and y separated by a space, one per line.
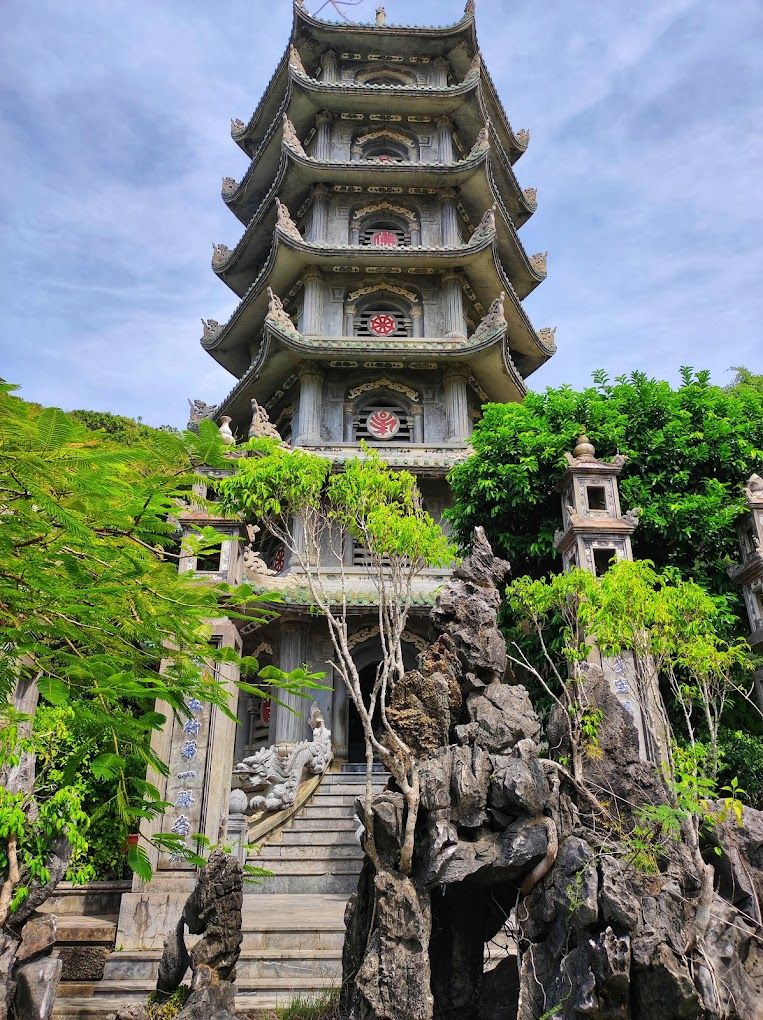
pixel 525 900
pixel 213 910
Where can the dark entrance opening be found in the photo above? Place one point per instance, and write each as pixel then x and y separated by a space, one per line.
pixel 356 745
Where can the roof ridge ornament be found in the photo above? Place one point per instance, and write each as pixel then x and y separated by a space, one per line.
pixel 475 68
pixel 481 142
pixel 261 426
pixel 547 337
pixel 229 186
pixel 538 262
pixel 486 226
pixel 492 319
pixel 278 314
pixel 237 127
pixel 291 138
pixel 295 61
pixel 531 196
pixel 470 7
pixel 523 137
pixel 220 255
pixel 754 489
pixel 381 17
pixel 211 329
pixel 285 223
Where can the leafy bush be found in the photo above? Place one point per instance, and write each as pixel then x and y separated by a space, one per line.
pixel 742 758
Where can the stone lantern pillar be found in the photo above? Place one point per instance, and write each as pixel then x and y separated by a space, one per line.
pixel 595 533
pixel 309 408
pixel 457 404
pixel 454 306
pixel 320 222
pixel 323 122
pixel 449 219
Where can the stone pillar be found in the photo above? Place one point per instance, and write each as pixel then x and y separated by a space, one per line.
pixel 198 750
pixel 310 400
pixel 339 717
pixel 349 320
pixel 440 72
pixel 238 824
pixel 457 405
pixel 354 230
pixel 454 306
pixel 312 315
pixel 415 233
pixel 289 724
pixel 323 124
pixel 449 220
pixel 417 320
pixel 445 139
pixel 418 424
pixel 348 413
pixel 319 230
pixel 329 67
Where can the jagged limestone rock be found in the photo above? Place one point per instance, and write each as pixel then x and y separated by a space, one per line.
pixel 504 837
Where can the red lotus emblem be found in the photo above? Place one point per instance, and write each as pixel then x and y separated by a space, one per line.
pixel 383 324
pixel 383 424
pixel 384 239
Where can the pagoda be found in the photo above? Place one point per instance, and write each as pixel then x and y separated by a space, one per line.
pixel 380 277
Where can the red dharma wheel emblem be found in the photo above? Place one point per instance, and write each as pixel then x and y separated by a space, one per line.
pixel 384 239
pixel 278 560
pixel 383 424
pixel 382 324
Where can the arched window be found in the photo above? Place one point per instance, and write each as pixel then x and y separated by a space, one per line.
pixel 382 315
pixel 385 145
pixel 382 419
pixel 383 230
pixel 385 76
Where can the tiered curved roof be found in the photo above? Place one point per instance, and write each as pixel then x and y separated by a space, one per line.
pixel 267 256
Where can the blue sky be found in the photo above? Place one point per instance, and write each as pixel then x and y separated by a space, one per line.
pixel 114 133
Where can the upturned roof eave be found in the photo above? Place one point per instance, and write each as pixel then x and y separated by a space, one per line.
pixel 280 351
pixel 250 248
pixel 298 255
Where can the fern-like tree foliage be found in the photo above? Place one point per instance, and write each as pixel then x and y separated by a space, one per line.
pixel 96 621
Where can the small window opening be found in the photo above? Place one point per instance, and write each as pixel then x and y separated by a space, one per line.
pixel 597 497
pixel 379 422
pixel 602 560
pixel 209 562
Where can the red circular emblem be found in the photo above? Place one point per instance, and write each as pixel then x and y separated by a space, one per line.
pixel 384 239
pixel 383 424
pixel 278 560
pixel 382 324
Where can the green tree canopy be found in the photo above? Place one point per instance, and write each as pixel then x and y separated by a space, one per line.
pixel 96 618
pixel 689 451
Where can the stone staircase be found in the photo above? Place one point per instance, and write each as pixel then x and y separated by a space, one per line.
pixel 293 922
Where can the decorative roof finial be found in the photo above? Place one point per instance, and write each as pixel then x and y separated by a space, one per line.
pixel 220 255
pixel 291 138
pixel 295 61
pixel 538 262
pixel 585 449
pixel 225 433
pixel 229 185
pixel 754 488
pixel 531 196
pixel 381 16
pixel 523 137
pixel 481 142
pixel 236 126
pixel 470 6
pixel 285 222
pixel 485 227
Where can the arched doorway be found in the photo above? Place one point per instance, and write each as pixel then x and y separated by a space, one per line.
pixel 356 744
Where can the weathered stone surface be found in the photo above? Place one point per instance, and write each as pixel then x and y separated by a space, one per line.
pixel 503 715
pixel 518 783
pixel 37 936
pixel 213 910
pixel 83 963
pixel 8 949
pixel 36 987
pixel 394 978
pixel 500 828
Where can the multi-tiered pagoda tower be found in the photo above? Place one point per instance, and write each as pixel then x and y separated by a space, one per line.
pixel 380 277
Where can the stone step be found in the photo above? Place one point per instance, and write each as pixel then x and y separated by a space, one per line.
pixel 297 864
pixel 316 838
pixel 327 814
pixel 278 852
pixel 252 964
pixel 299 885
pixel 80 928
pixel 317 823
pixel 321 801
